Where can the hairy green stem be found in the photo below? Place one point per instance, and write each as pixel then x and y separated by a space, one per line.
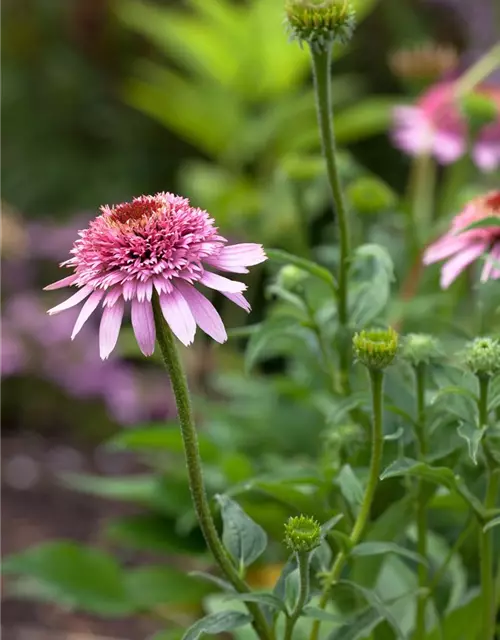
pixel 485 537
pixel 303 559
pixel 377 443
pixel 321 71
pixel 420 371
pixel 178 380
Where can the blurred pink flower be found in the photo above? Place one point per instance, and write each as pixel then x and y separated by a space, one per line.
pixel 154 243
pixel 460 248
pixel 435 125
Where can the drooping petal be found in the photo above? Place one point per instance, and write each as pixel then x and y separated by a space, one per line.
pixel 448 147
pixel 219 283
pixel 144 325
pixel 109 329
pixel 65 282
pixel 237 257
pixel 177 313
pixel 87 310
pixel 445 247
pixel 204 312
pixel 71 302
pixel 238 299
pixel 454 267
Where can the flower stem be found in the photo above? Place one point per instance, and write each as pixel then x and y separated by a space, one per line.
pixel 420 372
pixel 173 365
pixel 303 559
pixel 377 442
pixel 478 71
pixel 485 537
pixel 322 85
pixel 421 192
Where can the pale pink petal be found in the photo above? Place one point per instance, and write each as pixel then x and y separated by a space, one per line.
pixel 238 256
pixel 112 296
pixel 71 302
pixel 204 312
pixel 448 147
pixel 144 326
pixel 109 329
pixel 219 283
pixel 486 156
pixel 87 310
pixel 445 247
pixel 144 290
pixel 454 267
pixel 129 289
pixel 65 282
pixel 238 299
pixel 177 313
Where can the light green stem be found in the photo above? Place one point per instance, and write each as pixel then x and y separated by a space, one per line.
pixel 422 188
pixel 303 559
pixel 420 372
pixel 173 365
pixel 478 71
pixel 321 71
pixel 377 442
pixel 485 537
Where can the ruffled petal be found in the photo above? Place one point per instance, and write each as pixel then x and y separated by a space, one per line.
pixel 71 302
pixel 219 283
pixel 178 315
pixel 65 282
pixel 454 267
pixel 144 325
pixel 204 312
pixel 87 310
pixel 109 329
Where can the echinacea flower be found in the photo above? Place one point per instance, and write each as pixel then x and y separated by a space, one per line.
pixel 154 244
pixel 460 248
pixel 435 125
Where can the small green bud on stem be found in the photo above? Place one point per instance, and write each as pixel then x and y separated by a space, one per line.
pixel 320 24
pixel 376 348
pixel 482 357
pixel 420 348
pixel 302 534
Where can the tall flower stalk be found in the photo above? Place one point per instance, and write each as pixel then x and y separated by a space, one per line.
pixel 376 350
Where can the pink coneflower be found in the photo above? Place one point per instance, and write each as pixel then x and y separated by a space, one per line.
pixel 460 248
pixel 154 243
pixel 436 126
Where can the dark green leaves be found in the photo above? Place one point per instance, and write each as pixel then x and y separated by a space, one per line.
pixel 377 548
pixel 243 538
pixel 217 623
pixel 473 436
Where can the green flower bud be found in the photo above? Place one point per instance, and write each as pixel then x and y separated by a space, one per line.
pixel 320 24
pixel 376 348
pixel 482 357
pixel 479 110
pixel 370 195
pixel 291 277
pixel 420 348
pixel 302 534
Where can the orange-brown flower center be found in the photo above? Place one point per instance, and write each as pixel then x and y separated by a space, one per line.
pixel 493 203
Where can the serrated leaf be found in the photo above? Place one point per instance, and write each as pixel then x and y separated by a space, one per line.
pixel 492 523
pixel 264 598
pixel 350 486
pixel 314 269
pixel 377 548
pixel 217 623
pixel 473 436
pixel 78 576
pixel 209 577
pixel 243 538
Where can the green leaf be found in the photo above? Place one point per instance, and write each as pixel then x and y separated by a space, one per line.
pixel 344 406
pixel 343 541
pixel 366 118
pixel 280 587
pixel 490 222
pixel 77 576
pixel 465 618
pixel 314 269
pixel 492 523
pixel 373 599
pixel 209 577
pixel 320 614
pixel 350 486
pixel 243 538
pixel 377 548
pixel 158 439
pixel 217 623
pixel 327 526
pixel 149 587
pixel 438 475
pixel 473 436
pixel 360 626
pixel 264 598
pixel 394 436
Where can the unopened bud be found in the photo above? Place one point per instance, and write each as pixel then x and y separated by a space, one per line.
pixel 420 348
pixel 302 534
pixel 291 277
pixel 376 348
pixel 320 24
pixel 482 357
